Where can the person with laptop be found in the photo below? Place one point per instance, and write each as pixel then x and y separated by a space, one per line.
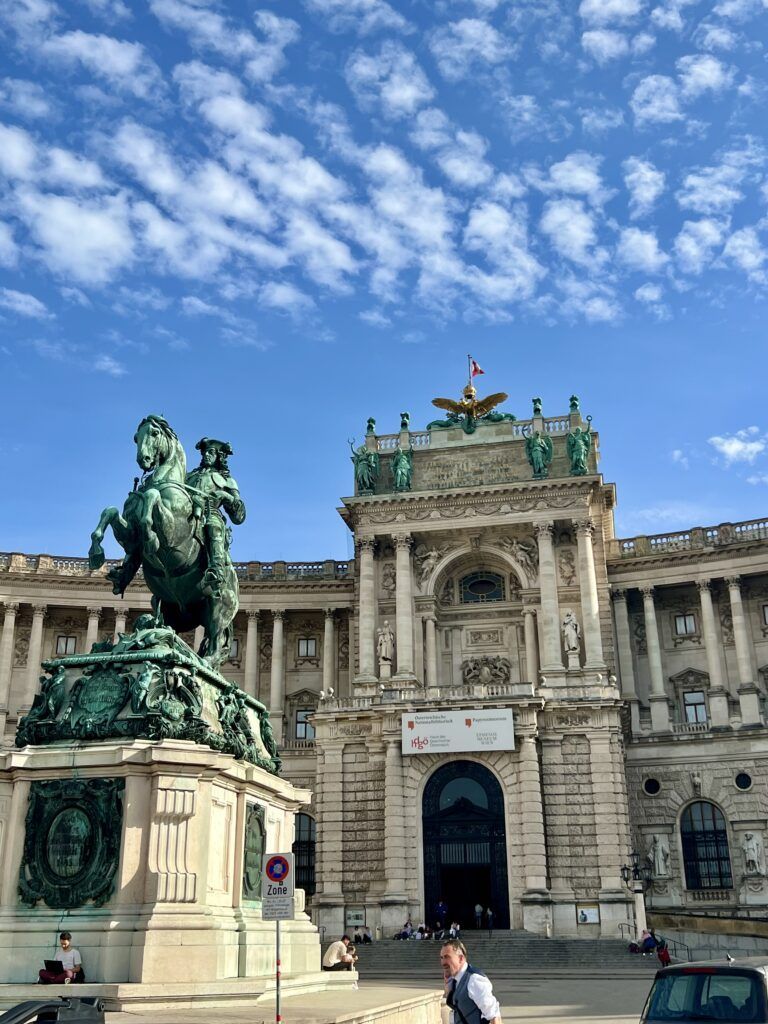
pixel 66 968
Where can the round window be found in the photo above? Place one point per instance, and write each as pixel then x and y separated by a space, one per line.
pixel 651 787
pixel 743 781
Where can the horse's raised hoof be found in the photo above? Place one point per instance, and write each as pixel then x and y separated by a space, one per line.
pixel 96 556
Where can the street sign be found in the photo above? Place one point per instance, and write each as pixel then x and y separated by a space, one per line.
pixel 277 885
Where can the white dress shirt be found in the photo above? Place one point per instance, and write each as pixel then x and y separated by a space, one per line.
pixel 480 991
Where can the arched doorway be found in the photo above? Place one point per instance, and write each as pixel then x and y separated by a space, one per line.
pixel 465 850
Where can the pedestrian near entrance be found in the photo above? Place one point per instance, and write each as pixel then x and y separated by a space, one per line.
pixel 468 992
pixel 489 919
pixel 336 956
pixel 478 916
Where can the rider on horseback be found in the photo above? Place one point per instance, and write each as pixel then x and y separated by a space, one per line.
pixel 212 488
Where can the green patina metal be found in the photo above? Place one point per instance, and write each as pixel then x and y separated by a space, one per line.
pixel 367 468
pixel 470 411
pixel 253 852
pixel 72 842
pixel 402 468
pixel 579 445
pixel 539 451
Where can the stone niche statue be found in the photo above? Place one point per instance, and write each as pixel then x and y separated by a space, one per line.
pixel 385 649
pixel 658 856
pixel 579 445
pixel 366 463
pixel 539 451
pixel 571 631
pixel 402 468
pixel 754 853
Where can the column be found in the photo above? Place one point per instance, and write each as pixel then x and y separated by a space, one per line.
pixel 367 612
pixel 532 831
pixel 251 668
pixel 34 655
pixel 404 607
pixel 329 650
pixel 658 696
pixel 92 633
pixel 419 640
pixel 277 674
pixel 718 697
pixel 120 617
pixel 551 655
pixel 6 651
pixel 431 645
pixel 747 691
pixel 330 826
pixel 531 659
pixel 624 656
pixel 352 633
pixel 393 904
pixel 590 607
pixel 610 817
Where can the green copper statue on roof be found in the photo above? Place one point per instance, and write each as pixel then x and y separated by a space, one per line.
pixel 173 527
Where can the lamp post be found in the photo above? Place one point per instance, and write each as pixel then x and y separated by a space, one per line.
pixel 637 877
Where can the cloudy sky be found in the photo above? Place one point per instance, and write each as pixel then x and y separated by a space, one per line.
pixel 269 223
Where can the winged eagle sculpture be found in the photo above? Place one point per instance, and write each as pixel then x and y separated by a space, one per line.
pixel 469 410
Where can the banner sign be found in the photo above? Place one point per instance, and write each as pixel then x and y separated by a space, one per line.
pixel 453 732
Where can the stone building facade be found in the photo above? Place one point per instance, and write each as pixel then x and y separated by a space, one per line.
pixel 639 718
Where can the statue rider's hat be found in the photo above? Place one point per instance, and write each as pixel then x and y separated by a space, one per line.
pixel 210 442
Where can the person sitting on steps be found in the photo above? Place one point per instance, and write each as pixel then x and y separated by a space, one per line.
pixel 71 965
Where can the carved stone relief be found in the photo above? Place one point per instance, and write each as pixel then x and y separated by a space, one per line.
pixel 566 563
pixel 486 669
pixel 21 648
pixel 638 634
pixel 388 578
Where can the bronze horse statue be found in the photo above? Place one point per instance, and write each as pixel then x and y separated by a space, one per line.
pixel 163 529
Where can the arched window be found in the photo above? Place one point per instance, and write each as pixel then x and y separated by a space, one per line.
pixel 705 847
pixel 480 587
pixel 304 853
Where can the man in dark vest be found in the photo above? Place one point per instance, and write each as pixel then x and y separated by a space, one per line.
pixel 468 992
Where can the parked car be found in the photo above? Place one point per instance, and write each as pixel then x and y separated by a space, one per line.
pixel 732 990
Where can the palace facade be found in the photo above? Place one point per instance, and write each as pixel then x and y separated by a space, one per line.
pixel 639 718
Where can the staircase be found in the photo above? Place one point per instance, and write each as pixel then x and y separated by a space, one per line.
pixel 503 954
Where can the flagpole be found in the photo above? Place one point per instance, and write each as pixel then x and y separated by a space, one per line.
pixel 469 369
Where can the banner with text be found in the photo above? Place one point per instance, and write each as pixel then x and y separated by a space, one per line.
pixel 452 732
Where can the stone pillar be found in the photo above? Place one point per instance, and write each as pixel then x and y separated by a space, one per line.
pixel 718 696
pixel 367 612
pixel 551 655
pixel 418 648
pixel 747 691
pixel 404 608
pixel 6 656
pixel 92 633
pixel 610 830
pixel 352 632
pixel 531 659
pixel 532 829
pixel 330 825
pixel 329 650
pixel 394 903
pixel 277 675
pixel 624 655
pixel 120 617
pixel 590 606
pixel 34 655
pixel 431 645
pixel 658 696
pixel 251 673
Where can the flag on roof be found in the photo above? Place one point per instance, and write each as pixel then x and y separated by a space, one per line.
pixel 474 368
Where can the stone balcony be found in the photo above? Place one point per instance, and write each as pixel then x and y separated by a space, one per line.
pixel 428 696
pixel 698 539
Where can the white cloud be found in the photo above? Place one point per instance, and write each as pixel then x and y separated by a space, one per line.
pixel 462 46
pixel 717 189
pixel 716 37
pixel 106 364
pixel 700 73
pixel 89 240
pixel 375 318
pixel 639 250
pixel 608 12
pixel 26 99
pixel 742 446
pixel 502 236
pixel 125 65
pixel 362 16
pixel 649 293
pixel 696 242
pixel 570 228
pixel 739 10
pixel 745 249
pixel 645 183
pixel 285 297
pixel 23 304
pixel 643 43
pixel 22 159
pixel 112 10
pixel 390 79
pixel 460 155
pixel 598 120
pixel 577 174
pixel 656 101
pixel 678 456
pixel 9 252
pixel 592 301
pixel 605 45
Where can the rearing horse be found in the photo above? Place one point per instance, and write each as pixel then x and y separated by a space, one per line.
pixel 160 530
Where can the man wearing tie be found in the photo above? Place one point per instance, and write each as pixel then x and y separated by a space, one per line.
pixel 468 992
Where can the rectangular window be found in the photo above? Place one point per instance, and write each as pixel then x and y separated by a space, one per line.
pixel 695 706
pixel 765 614
pixel 685 625
pixel 304 729
pixel 307 647
pixel 234 650
pixel 66 644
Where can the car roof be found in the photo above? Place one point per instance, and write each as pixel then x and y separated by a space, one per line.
pixel 755 963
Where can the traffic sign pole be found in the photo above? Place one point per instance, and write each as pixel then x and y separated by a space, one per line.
pixel 278 1018
pixel 277 890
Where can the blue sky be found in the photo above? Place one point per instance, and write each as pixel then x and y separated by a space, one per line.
pixel 270 222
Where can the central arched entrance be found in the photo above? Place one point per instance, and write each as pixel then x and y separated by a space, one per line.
pixel 465 850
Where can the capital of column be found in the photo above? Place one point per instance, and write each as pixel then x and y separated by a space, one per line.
pixel 39 610
pixel 734 582
pixel 366 544
pixel 330 613
pixel 11 606
pixel 94 613
pixel 528 609
pixel 585 527
pixel 253 614
pixel 402 540
pixel 278 614
pixel 704 586
pixel 619 594
pixel 429 618
pixel 545 529
pixel 647 592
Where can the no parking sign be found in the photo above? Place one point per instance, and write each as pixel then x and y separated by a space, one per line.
pixel 277 885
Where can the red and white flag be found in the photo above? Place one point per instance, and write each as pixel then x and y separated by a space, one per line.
pixel 474 368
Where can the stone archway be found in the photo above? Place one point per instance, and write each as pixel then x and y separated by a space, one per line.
pixel 465 850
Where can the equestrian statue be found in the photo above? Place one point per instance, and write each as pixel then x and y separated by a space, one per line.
pixel 173 527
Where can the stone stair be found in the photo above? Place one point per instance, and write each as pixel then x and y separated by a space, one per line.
pixel 504 953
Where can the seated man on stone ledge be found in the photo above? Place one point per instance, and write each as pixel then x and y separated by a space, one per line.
pixel 71 965
pixel 336 956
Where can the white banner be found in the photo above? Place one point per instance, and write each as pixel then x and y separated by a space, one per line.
pixel 452 732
